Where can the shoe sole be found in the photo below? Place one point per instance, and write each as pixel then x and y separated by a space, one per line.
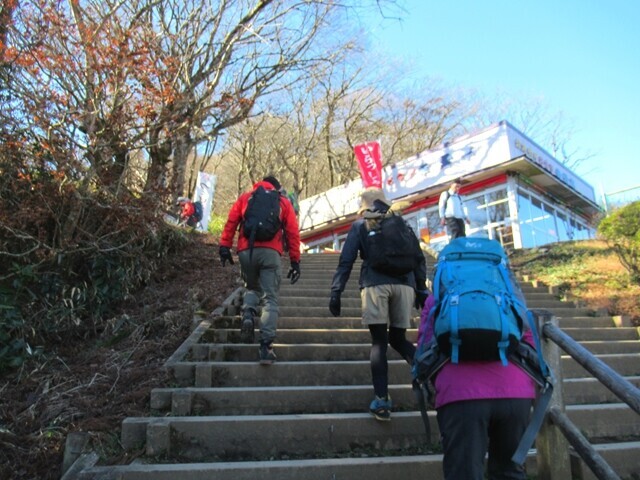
pixel 268 360
pixel 380 418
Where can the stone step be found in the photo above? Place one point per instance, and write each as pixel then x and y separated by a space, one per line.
pixel 360 335
pixel 605 421
pixel 347 349
pixel 273 400
pixel 355 311
pixel 312 285
pixel 311 405
pixel 339 372
pixel 321 300
pixel 623 457
pixel 322 280
pixel 582 391
pixel 232 437
pixel 300 373
pixel 626 364
pixel 410 467
pixel 262 437
pixel 614 333
pixel 342 321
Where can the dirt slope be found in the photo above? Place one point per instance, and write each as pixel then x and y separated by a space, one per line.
pixel 91 386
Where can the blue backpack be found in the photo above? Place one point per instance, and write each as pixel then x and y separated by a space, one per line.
pixel 479 314
pixel 480 310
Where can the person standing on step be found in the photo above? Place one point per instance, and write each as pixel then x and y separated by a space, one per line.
pixel 263 217
pixel 452 211
pixel 387 292
pixel 482 406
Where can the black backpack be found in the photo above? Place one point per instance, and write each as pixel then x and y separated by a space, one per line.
pixel 262 217
pixel 197 213
pixel 391 246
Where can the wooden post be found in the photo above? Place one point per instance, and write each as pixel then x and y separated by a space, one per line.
pixel 552 448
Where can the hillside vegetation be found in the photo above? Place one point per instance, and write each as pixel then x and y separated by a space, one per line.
pixel 588 272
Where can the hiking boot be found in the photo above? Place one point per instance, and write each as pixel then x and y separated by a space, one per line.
pixel 380 408
pixel 247 326
pixel 267 355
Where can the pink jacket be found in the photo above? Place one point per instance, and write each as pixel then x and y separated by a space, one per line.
pixel 476 380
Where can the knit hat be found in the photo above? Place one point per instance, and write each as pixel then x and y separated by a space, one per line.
pixel 369 197
pixel 273 181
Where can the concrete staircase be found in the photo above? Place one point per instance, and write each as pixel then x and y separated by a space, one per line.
pixel 305 417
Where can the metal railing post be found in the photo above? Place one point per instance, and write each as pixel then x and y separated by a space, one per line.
pixel 553 458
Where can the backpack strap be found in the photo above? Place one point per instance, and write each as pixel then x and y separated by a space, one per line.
pixel 428 360
pixel 418 390
pixel 532 363
pixel 503 343
pixel 454 338
pixel 451 299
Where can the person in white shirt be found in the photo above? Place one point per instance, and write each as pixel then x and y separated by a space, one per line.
pixel 452 211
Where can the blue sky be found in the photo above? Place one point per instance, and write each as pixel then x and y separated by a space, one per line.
pixel 580 57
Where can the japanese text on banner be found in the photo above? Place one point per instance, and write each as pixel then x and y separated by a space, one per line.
pixel 370 163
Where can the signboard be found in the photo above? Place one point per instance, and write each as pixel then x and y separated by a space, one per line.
pixel 369 160
pixel 205 188
pixel 493 146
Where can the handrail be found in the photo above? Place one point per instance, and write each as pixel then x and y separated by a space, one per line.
pixel 596 463
pixel 558 428
pixel 611 379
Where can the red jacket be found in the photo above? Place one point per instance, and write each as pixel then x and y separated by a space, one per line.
pixel 188 209
pixel 287 218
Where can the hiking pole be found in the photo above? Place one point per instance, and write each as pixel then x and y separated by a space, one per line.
pixel 422 405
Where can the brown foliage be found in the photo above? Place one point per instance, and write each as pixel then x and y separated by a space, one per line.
pixel 91 385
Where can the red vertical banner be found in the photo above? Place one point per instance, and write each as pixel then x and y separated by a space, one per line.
pixel 370 163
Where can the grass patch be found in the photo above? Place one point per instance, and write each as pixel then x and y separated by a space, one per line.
pixel 588 271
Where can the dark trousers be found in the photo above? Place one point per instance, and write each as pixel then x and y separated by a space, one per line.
pixel 378 355
pixel 455 227
pixel 472 428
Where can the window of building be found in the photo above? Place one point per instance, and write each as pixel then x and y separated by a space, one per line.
pixel 563 226
pixel 497 206
pixel 550 223
pixel 476 209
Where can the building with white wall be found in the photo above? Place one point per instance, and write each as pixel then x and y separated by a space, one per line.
pixel 514 191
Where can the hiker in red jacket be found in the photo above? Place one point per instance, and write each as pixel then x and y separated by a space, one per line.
pixel 260 264
pixel 187 212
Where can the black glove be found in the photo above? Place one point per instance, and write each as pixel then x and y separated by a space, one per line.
pixel 225 254
pixel 334 304
pixel 294 272
pixel 421 297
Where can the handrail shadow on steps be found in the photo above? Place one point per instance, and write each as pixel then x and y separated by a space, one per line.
pixel 557 430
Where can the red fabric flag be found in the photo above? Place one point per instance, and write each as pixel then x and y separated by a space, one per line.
pixel 369 161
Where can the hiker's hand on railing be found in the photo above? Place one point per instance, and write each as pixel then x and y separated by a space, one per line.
pixel 334 304
pixel 294 272
pixel 225 254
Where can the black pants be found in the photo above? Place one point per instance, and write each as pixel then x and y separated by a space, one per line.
pixel 455 227
pixel 379 365
pixel 471 428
